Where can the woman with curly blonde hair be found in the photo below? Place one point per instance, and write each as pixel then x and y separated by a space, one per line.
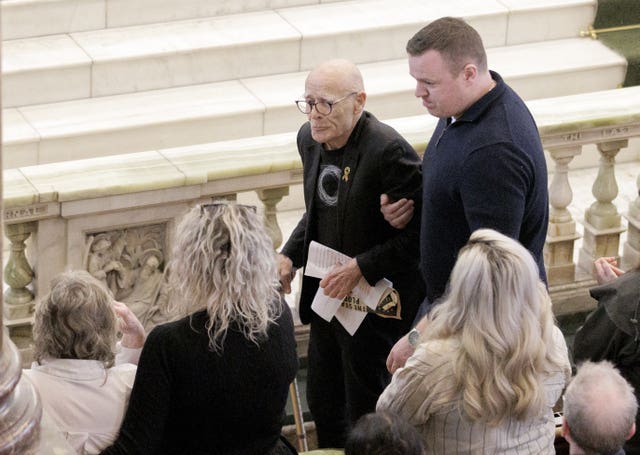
pixel 216 381
pixel 491 363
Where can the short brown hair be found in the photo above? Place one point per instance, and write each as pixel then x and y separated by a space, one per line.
pixel 456 40
pixel 75 320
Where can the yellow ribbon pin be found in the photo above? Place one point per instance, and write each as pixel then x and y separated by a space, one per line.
pixel 345 173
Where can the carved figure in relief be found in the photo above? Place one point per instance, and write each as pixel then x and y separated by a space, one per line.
pixel 104 260
pixel 130 264
pixel 148 279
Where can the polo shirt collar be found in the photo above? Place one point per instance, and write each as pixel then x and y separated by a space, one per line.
pixel 480 106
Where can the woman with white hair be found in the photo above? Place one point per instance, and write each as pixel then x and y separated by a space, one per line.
pixel 490 364
pixel 83 375
pixel 217 380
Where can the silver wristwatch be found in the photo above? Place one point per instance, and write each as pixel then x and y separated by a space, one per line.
pixel 414 337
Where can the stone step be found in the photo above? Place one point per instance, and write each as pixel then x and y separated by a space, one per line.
pixel 185 52
pixel 257 106
pixel 29 18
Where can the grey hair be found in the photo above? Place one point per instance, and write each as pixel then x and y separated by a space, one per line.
pixel 600 408
pixel 500 311
pixel 224 262
pixel 75 320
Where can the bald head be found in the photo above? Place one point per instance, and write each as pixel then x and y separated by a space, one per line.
pixel 338 75
pixel 336 88
pixel 599 408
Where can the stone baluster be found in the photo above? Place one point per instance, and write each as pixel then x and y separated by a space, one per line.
pixel 20 408
pixel 561 236
pixel 602 224
pixel 270 198
pixel 631 249
pixel 18 274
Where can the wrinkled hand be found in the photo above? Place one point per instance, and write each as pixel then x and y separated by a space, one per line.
pixel 399 354
pixel 606 270
pixel 285 272
pixel 341 280
pixel 398 213
pixel 133 334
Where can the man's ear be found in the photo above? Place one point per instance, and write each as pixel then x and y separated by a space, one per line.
pixel 470 72
pixel 632 431
pixel 361 99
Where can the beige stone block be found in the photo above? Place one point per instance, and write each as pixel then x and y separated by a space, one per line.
pixel 44 70
pixel 27 18
pixel 367 31
pixel 105 176
pixel 190 52
pixel 122 13
pixel 144 121
pixel 542 20
pixel 17 191
pixel 567 67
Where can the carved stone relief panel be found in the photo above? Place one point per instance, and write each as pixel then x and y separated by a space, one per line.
pixel 131 264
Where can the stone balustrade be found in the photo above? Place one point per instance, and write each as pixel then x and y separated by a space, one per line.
pixel 111 214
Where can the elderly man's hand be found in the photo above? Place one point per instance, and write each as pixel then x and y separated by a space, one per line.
pixel 398 213
pixel 341 280
pixel 285 272
pixel 133 334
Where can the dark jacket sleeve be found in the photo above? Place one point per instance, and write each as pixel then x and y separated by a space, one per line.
pixel 294 248
pixel 295 245
pixel 400 171
pixel 598 339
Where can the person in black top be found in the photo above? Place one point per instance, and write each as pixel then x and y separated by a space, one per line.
pixel 216 381
pixel 349 158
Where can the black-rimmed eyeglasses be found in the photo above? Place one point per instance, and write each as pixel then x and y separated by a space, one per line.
pixel 323 107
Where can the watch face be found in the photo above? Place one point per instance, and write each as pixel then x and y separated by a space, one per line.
pixel 414 336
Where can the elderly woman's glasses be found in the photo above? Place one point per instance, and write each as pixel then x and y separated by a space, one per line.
pixel 322 106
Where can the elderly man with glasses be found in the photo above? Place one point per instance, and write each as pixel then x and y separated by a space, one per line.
pixel 350 159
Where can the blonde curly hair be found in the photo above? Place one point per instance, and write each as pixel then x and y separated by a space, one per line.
pixel 224 262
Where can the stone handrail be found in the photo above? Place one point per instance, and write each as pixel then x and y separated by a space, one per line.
pixel 54 212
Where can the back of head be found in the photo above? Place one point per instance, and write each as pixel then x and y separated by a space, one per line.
pixel 599 408
pixel 495 285
pixel 454 39
pixel 500 312
pixel 383 433
pixel 224 262
pixel 75 320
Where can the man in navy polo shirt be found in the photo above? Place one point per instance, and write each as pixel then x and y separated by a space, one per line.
pixel 484 166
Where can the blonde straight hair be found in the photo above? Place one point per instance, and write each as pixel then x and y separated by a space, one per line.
pixel 224 262
pixel 500 312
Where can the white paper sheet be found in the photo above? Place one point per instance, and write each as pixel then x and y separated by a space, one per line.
pixel 324 305
pixel 350 319
pixel 320 261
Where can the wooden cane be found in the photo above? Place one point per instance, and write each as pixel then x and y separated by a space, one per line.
pixel 298 416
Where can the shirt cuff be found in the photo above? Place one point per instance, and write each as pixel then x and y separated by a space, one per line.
pixel 127 355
